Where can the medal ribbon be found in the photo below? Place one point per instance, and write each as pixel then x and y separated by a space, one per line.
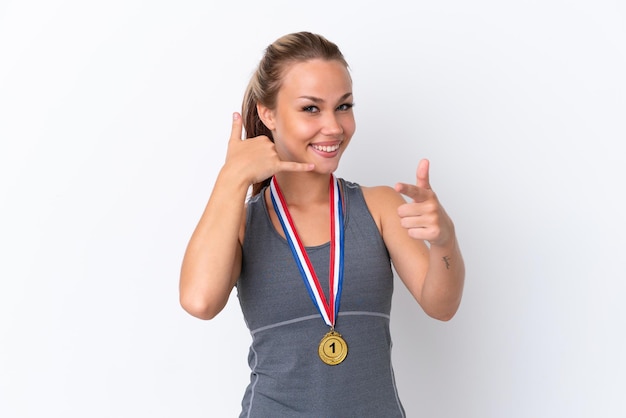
pixel 327 309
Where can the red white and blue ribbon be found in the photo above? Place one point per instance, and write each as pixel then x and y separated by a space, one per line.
pixel 328 309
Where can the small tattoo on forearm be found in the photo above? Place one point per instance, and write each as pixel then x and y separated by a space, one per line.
pixel 446 260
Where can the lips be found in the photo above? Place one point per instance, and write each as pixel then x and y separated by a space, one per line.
pixel 326 148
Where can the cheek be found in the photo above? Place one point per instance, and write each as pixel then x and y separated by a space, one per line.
pixel 291 134
pixel 349 127
pixel 299 128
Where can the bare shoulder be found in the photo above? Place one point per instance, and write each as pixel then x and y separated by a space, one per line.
pixel 382 196
pixel 381 200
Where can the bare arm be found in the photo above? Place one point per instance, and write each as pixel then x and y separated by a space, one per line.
pixel 433 273
pixel 212 260
pixel 443 285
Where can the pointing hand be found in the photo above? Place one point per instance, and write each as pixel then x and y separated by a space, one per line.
pixel 424 217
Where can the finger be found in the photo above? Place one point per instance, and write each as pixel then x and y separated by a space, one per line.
pixel 423 177
pixel 293 166
pixel 418 194
pixel 235 133
pixel 423 210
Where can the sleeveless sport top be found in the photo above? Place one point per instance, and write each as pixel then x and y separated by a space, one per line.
pixel 287 378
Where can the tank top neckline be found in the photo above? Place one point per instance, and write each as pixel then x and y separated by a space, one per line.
pixel 268 219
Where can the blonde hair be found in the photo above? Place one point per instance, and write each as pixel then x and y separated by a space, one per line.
pixel 267 79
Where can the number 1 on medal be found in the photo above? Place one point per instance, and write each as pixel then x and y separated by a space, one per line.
pixel 332 348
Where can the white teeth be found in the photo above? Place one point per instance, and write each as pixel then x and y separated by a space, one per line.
pixel 325 148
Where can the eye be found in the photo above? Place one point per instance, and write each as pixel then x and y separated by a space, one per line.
pixel 345 107
pixel 310 109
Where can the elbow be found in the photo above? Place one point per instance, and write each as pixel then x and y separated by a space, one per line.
pixel 443 314
pixel 199 308
pixel 443 317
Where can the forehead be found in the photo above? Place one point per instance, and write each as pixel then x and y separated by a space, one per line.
pixel 319 78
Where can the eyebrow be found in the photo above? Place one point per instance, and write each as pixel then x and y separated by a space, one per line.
pixel 319 100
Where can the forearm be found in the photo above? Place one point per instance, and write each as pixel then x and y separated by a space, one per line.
pixel 443 285
pixel 212 258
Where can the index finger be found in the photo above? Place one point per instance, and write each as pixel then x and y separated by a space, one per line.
pixel 416 193
pixel 235 133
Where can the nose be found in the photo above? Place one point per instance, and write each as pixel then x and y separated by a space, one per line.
pixel 331 125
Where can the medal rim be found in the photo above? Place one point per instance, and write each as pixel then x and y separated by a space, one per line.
pixel 340 357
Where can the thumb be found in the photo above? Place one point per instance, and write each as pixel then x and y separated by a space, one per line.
pixel 235 133
pixel 423 177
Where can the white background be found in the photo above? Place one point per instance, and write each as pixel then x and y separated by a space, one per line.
pixel 114 118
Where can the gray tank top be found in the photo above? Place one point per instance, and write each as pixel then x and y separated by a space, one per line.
pixel 287 378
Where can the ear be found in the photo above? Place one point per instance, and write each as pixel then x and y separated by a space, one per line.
pixel 267 116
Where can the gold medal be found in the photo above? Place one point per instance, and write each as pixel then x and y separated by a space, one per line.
pixel 333 348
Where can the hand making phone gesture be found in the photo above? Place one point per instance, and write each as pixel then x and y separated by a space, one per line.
pixel 256 158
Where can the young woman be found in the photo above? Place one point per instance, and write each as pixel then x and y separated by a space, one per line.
pixel 311 255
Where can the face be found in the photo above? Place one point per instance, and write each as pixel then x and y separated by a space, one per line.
pixel 313 120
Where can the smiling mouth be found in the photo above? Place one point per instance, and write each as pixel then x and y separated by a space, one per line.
pixel 326 148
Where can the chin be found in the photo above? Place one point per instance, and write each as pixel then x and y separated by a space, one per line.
pixel 326 168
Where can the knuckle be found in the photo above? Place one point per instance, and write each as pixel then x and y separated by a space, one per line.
pixel 415 233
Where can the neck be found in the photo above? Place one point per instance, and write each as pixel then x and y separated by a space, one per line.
pixel 303 188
